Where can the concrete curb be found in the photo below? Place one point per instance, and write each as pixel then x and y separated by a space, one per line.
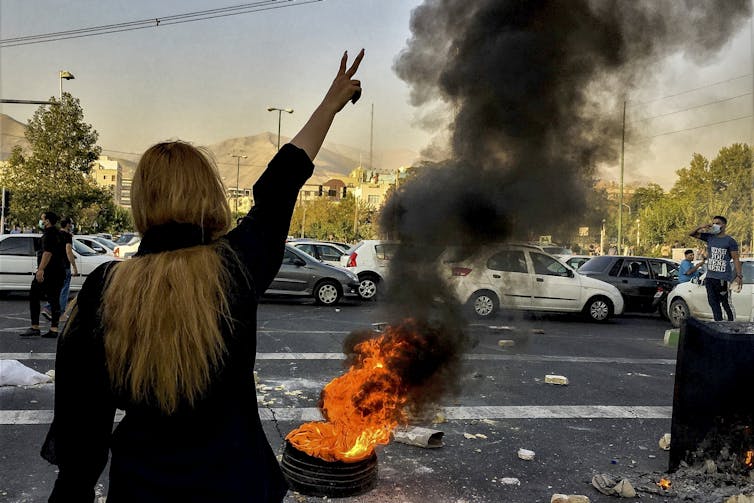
pixel 671 337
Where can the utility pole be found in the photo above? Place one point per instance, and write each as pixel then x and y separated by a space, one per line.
pixel 371 140
pixel 620 205
pixel 238 172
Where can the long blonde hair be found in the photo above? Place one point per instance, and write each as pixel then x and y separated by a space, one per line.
pixel 162 311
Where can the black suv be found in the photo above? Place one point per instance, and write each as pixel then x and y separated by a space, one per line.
pixel 644 282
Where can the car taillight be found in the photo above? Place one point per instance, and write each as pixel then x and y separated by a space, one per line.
pixel 352 260
pixel 460 271
pixel 116 251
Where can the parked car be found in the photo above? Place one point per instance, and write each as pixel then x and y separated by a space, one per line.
pixel 328 253
pixel 574 261
pixel 97 244
pixel 18 261
pixel 644 282
pixel 522 277
pixel 370 260
pixel 301 275
pixel 690 298
pixel 128 245
pixel 556 250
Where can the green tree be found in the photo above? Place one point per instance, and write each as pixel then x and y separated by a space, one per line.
pixel 54 174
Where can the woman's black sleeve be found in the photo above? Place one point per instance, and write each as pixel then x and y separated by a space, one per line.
pixel 79 438
pixel 260 238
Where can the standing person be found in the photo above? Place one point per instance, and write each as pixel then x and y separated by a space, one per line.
pixel 69 259
pixel 48 280
pixel 170 335
pixel 688 270
pixel 721 249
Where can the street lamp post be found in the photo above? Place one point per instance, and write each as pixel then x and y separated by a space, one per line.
pixel 238 172
pixel 62 74
pixel 280 112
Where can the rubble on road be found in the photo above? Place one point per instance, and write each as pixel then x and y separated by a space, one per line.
pixel 526 454
pixel 556 379
pixel 605 484
pixel 418 436
pixel 510 481
pixel 569 498
pixel 506 343
pixel 664 442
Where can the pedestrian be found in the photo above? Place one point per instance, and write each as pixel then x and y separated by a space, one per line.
pixel 170 335
pixel 48 280
pixel 66 233
pixel 721 249
pixel 688 270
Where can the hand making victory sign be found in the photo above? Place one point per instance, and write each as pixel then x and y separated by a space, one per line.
pixel 342 89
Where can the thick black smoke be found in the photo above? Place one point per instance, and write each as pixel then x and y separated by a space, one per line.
pixel 534 88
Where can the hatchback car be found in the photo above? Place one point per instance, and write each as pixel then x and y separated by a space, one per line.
pixel 97 244
pixel 643 281
pixel 301 275
pixel 328 253
pixel 690 299
pixel 370 260
pixel 521 277
pixel 18 261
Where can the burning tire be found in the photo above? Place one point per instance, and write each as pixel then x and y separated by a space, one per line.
pixel 327 293
pixel 484 304
pixel 368 286
pixel 599 309
pixel 333 479
pixel 679 311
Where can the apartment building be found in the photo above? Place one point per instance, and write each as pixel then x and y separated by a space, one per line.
pixel 108 173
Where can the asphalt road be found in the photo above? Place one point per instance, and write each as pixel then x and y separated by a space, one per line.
pixel 608 419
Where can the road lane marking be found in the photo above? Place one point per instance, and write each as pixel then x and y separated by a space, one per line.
pixel 296 414
pixel 470 356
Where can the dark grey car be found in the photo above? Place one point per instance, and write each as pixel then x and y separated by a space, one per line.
pixel 642 281
pixel 302 275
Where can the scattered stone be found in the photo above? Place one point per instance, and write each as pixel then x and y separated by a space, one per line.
pixel 569 498
pixel 624 489
pixel 665 442
pixel 439 418
pixel 710 466
pixel 741 498
pixel 500 327
pixel 506 343
pixel 537 331
pixel 604 484
pixel 51 373
pixel 526 454
pixel 510 481
pixel 556 379
pixel 418 436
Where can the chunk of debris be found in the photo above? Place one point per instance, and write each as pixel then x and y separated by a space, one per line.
pixel 741 498
pixel 569 498
pixel 510 481
pixel 710 467
pixel 537 331
pixel 556 379
pixel 526 454
pixel 624 489
pixel 664 442
pixel 472 435
pixel 418 436
pixel 604 484
pixel 506 343
pixel 500 327
pixel 439 418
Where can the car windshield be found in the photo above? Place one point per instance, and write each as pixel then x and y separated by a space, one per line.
pixel 83 250
pixel 125 238
pixel 106 242
pixel 596 264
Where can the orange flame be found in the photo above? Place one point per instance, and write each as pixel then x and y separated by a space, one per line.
pixel 664 483
pixel 749 459
pixel 361 407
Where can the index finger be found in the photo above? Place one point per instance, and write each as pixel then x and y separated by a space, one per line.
pixel 355 66
pixel 343 60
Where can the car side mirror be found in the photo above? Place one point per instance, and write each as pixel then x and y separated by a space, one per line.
pixel 299 262
pixel 569 273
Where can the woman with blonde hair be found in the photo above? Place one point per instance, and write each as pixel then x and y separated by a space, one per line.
pixel 170 335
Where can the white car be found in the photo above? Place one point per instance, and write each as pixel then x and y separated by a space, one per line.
pixel 522 277
pixel 370 260
pixel 690 299
pixel 98 244
pixel 128 245
pixel 329 253
pixel 574 261
pixel 18 261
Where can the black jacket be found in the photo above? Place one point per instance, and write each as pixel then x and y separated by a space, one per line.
pixel 214 451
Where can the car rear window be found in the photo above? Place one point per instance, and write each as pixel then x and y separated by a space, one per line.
pixel 385 251
pixel 508 260
pixel 596 264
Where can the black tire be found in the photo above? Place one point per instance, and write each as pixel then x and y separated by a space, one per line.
pixel 368 286
pixel 484 304
pixel 598 309
pixel 662 309
pixel 679 311
pixel 327 293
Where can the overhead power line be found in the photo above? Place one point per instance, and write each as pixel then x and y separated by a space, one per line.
pixel 691 108
pixel 188 17
pixel 646 138
pixel 634 104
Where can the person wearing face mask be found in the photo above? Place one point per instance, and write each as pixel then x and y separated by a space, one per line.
pixel 721 249
pixel 49 278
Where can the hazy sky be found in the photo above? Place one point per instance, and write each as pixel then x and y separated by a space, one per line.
pixel 211 80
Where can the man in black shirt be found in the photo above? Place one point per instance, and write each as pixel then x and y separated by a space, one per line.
pixel 48 280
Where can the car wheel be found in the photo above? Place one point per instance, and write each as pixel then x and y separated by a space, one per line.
pixel 484 304
pixel 663 309
pixel 679 311
pixel 368 286
pixel 598 309
pixel 327 293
